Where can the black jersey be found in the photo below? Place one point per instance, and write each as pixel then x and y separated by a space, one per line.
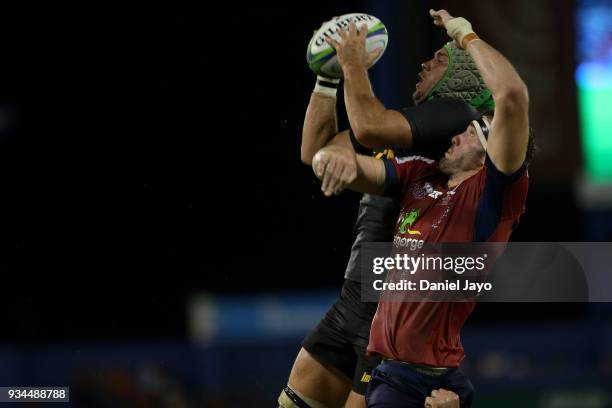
pixel 375 221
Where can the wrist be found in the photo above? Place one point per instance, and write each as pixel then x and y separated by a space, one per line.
pixel 350 70
pixel 326 86
pixel 468 39
pixel 460 30
pixel 340 149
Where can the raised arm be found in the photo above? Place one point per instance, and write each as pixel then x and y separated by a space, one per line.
pixel 320 123
pixel 509 133
pixel 373 124
pixel 425 128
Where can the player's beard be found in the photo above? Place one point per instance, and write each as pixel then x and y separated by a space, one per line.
pixel 446 166
pixel 468 161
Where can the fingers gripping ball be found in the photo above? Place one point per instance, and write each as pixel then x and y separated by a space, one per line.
pixel 321 56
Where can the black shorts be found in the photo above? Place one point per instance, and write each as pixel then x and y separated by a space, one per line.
pixel 341 338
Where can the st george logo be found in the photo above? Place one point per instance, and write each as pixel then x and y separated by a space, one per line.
pixel 408 219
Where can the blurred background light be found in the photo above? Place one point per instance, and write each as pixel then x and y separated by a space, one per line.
pixel 594 83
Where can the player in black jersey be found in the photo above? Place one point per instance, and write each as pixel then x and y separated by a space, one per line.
pixel 331 369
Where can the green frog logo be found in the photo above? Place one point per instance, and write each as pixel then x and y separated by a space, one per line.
pixel 408 219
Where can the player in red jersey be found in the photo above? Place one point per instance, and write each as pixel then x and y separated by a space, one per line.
pixel 480 188
pixel 332 368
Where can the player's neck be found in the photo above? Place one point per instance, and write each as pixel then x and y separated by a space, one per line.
pixel 458 178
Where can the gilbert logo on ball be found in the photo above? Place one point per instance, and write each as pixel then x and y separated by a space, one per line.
pixel 321 56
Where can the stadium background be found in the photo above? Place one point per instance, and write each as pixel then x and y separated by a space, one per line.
pixel 162 245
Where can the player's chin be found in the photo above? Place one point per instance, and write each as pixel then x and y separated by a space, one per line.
pixel 417 97
pixel 419 94
pixel 444 164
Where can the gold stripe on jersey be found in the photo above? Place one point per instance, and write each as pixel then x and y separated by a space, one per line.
pixel 384 154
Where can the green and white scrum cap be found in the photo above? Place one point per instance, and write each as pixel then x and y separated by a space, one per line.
pixel 462 80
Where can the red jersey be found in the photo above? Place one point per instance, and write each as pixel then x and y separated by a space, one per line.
pixel 484 207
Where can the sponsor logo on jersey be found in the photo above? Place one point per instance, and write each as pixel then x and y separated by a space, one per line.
pixel 429 190
pixel 426 190
pixel 388 154
pixel 407 219
pixel 366 377
pixel 411 244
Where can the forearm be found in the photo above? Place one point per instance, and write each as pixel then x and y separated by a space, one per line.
pixel 373 124
pixel 509 131
pixel 425 128
pixel 370 176
pixel 362 106
pixel 506 144
pixel 320 125
pixel 497 72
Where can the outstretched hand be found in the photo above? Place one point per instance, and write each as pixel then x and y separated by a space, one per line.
pixel 440 17
pixel 351 50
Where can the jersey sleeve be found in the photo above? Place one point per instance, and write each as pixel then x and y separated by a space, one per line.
pixel 501 204
pixel 400 172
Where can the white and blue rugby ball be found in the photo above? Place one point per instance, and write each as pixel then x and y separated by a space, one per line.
pixel 321 56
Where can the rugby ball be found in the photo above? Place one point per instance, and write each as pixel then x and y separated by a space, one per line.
pixel 321 56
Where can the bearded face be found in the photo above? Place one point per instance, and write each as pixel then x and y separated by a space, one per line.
pixel 466 153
